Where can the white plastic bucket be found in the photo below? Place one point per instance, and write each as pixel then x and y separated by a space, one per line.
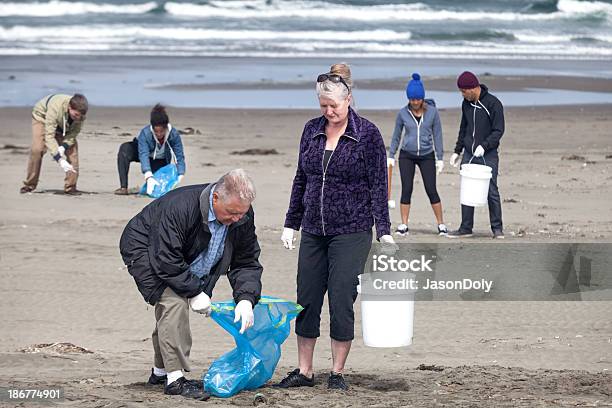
pixel 475 179
pixel 387 323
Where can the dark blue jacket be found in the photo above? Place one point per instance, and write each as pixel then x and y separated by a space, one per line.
pixel 482 123
pixel 351 194
pixel 146 146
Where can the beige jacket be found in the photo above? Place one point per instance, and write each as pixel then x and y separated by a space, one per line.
pixel 52 110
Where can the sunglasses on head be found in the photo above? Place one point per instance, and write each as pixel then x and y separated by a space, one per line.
pixel 335 78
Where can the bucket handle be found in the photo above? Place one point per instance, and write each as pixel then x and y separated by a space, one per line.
pixel 472 158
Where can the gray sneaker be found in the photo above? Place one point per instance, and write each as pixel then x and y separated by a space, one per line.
pixel 498 234
pixel 459 234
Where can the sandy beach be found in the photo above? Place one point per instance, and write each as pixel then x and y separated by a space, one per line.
pixel 63 280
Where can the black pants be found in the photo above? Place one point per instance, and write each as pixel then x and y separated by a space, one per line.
pixel 128 152
pixel 427 166
pixel 330 264
pixel 491 159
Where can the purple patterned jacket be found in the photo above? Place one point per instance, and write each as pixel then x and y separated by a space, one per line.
pixel 351 195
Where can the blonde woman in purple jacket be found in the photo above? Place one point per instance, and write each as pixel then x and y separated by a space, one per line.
pixel 339 193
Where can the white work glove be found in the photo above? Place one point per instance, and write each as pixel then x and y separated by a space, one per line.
pixel 390 162
pixel 479 152
pixel 391 204
pixel 388 247
pixel 200 304
pixel 387 239
pixel 66 166
pixel 61 150
pixel 288 238
pixel 151 183
pixel 180 177
pixel 439 166
pixel 454 160
pixel 244 312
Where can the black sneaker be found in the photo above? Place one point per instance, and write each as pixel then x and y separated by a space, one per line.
pixel 498 234
pixel 442 230
pixel 336 382
pixel 187 388
pixel 156 379
pixel 295 379
pixel 459 234
pixel 402 230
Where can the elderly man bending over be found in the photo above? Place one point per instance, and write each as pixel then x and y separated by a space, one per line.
pixel 176 249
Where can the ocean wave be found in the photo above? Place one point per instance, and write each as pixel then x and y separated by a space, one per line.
pixel 477 35
pixel 319 48
pixel 55 8
pixel 566 9
pixel 539 38
pixel 482 49
pixel 281 9
pixel 25 33
pixel 584 7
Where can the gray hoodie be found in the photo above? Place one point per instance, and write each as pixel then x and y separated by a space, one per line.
pixel 422 138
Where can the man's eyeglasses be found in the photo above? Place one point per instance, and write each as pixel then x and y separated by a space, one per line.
pixel 335 78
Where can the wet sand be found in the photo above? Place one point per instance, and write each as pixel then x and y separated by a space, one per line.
pixel 500 83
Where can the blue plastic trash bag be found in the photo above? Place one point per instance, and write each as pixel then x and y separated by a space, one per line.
pixel 167 177
pixel 252 363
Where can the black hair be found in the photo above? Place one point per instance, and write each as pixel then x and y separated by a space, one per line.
pixel 159 117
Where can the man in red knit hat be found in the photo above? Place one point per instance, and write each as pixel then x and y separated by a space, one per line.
pixel 482 126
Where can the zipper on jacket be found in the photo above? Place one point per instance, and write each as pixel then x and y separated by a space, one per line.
pixel 325 171
pixel 418 130
pixel 323 184
pixel 473 130
pixel 474 126
pixel 474 119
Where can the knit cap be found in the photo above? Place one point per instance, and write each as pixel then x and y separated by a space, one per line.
pixel 415 89
pixel 467 80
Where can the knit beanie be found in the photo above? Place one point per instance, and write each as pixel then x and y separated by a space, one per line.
pixel 415 89
pixel 467 80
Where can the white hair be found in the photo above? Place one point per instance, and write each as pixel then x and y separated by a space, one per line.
pixel 332 90
pixel 236 183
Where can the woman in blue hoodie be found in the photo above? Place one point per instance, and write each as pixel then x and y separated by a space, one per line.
pixel 153 148
pixel 421 146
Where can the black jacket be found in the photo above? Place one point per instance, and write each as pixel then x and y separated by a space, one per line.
pixel 482 123
pixel 160 243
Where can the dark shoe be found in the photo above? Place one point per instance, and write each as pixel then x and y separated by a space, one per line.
pixel 157 379
pixel 73 192
pixel 295 379
pixel 121 191
pixel 442 230
pixel 26 189
pixel 402 230
pixel 498 234
pixel 336 382
pixel 459 234
pixel 187 388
